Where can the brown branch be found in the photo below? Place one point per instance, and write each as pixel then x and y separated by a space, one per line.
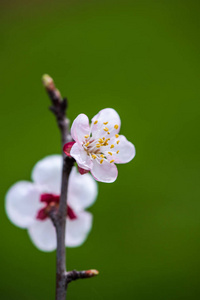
pixel 59 107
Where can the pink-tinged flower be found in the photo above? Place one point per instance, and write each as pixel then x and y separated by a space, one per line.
pixel 98 147
pixel 28 204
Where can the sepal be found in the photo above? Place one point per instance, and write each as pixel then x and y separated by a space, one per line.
pixel 67 148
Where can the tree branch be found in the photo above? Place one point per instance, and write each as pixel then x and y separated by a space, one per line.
pixel 59 107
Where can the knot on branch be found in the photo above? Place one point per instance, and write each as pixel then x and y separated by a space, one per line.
pixel 68 163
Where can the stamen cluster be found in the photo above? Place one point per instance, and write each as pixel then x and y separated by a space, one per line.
pixel 99 148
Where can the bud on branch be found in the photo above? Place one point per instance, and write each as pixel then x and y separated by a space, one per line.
pixel 74 275
pixel 51 89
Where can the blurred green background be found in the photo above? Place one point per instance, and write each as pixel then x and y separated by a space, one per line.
pixel 142 59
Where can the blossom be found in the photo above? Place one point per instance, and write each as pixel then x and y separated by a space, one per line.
pixel 28 204
pixel 98 147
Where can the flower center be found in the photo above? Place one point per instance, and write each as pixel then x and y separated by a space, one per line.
pixel 101 147
pixel 51 202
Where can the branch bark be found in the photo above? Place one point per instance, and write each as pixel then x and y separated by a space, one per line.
pixel 63 278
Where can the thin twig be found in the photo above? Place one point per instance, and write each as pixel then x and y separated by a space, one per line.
pixel 74 275
pixel 59 107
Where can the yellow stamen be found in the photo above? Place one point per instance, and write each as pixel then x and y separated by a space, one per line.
pixel 109 152
pixel 105 123
pixel 116 135
pixel 117 151
pixel 106 129
pixel 116 126
pixel 105 144
pixel 98 145
pixel 101 141
pixel 95 122
pixel 112 161
pixel 118 142
pixel 87 136
pixel 87 144
pixel 107 140
pixel 108 132
pixel 102 155
pixel 104 138
pixel 101 161
pixel 112 146
pixel 94 156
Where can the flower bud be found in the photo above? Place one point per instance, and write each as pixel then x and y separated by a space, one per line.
pixel 50 86
pixel 92 273
pixel 48 82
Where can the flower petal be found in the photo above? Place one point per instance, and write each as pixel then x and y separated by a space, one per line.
pixel 126 151
pixel 105 172
pixel 22 203
pixel 82 190
pixel 81 157
pixel 43 235
pixel 80 128
pixel 47 172
pixel 78 229
pixel 109 116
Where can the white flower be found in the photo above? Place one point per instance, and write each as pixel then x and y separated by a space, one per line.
pixel 99 147
pixel 27 204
